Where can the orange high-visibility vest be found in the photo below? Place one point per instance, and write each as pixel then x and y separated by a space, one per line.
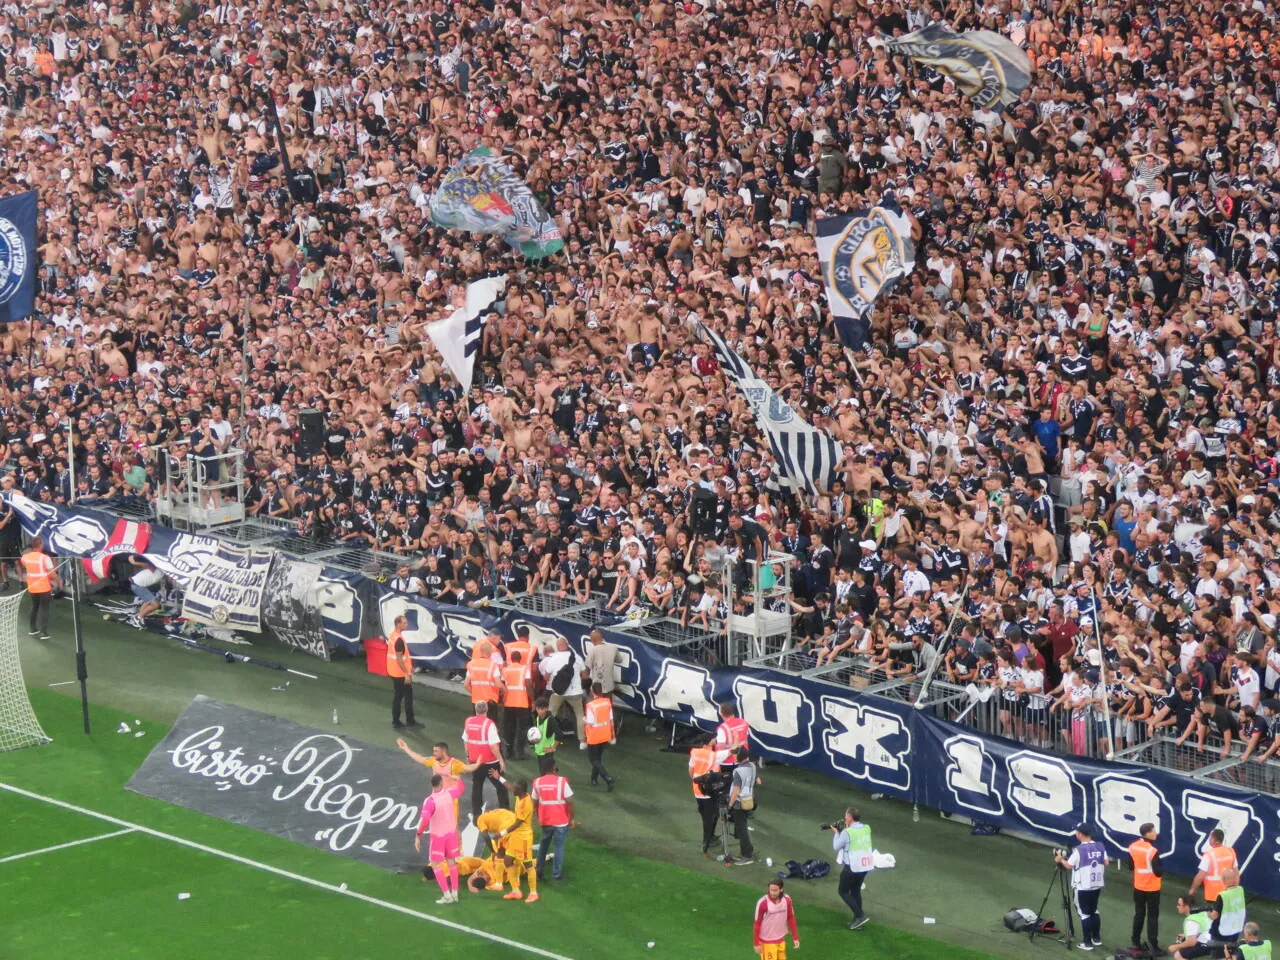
pixel 702 760
pixel 480 677
pixel 598 718
pixel 476 735
pixel 1220 859
pixel 516 676
pixel 398 664
pixel 39 572
pixel 550 789
pixel 528 652
pixel 1143 853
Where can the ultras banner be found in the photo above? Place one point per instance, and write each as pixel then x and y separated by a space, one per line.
pixel 872 742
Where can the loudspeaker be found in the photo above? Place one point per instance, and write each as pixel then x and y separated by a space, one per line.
pixel 310 432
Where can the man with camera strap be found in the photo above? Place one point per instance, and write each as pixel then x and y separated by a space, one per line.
pixel 854 850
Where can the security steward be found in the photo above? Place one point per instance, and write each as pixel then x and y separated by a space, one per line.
pixel 702 760
pixel 544 748
pixel 42 579
pixel 598 720
pixel 517 693
pixel 1144 859
pixel 400 670
pixel 484 679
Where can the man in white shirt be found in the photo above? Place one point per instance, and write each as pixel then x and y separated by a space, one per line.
pixel 551 665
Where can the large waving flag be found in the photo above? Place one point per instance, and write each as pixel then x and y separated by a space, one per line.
pixel 806 457
pixel 482 194
pixel 129 537
pixel 862 256
pixel 457 337
pixel 17 256
pixel 987 66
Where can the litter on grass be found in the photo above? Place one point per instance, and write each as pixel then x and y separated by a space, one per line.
pixel 123 728
pixel 184 896
pixel 930 920
pixel 140 733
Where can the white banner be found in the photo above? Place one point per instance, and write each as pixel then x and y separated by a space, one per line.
pixel 227 591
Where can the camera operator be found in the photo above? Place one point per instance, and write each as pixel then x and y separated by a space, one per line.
pixel 854 850
pixel 1251 945
pixel 1088 866
pixel 741 802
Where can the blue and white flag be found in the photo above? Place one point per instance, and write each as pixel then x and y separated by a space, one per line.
pixel 863 255
pixel 806 456
pixel 457 337
pixel 988 67
pixel 17 256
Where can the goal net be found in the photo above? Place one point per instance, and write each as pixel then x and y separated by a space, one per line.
pixel 18 724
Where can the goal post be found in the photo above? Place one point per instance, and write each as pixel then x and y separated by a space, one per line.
pixel 18 724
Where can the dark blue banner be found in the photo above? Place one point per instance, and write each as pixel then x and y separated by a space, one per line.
pixel 879 744
pixel 17 256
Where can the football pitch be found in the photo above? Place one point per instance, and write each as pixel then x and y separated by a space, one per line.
pixel 88 868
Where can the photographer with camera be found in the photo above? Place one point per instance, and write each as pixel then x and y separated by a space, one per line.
pixel 1251 945
pixel 854 850
pixel 702 761
pixel 741 802
pixel 1196 938
pixel 1088 865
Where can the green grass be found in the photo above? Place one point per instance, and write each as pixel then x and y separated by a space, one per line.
pixel 118 897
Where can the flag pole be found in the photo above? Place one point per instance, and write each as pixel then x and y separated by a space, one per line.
pixel 82 671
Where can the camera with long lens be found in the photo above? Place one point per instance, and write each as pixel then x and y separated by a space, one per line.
pixel 833 825
pixel 717 785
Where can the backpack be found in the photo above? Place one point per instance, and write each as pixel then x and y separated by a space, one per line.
pixel 1021 920
pixel 563 679
pixel 809 870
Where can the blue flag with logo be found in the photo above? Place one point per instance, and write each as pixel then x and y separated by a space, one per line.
pixel 863 255
pixel 17 256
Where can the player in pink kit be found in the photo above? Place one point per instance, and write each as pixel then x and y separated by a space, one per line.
pixel 440 816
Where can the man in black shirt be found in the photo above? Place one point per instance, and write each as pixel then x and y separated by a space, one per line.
pixel 1212 717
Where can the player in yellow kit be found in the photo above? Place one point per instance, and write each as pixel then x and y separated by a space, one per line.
pixel 515 839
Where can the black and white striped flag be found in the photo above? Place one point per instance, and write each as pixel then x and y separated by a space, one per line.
pixel 457 337
pixel 806 456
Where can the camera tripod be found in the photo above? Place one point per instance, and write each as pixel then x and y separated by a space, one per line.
pixel 1059 880
pixel 726 822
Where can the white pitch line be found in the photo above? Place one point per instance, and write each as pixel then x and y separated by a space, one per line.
pixel 63 846
pixel 288 874
pixel 62 684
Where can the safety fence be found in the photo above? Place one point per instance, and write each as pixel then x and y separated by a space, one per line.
pixel 937 745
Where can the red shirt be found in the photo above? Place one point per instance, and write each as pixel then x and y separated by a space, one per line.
pixel 773 919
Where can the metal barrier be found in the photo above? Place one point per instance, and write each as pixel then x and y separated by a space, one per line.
pixel 701 646
pixel 1165 752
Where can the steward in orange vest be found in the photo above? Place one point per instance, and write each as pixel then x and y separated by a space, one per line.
pixel 400 670
pixel 484 676
pixel 517 681
pixel 1147 871
pixel 598 720
pixel 702 760
pixel 41 577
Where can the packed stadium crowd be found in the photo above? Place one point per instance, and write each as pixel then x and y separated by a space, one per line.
pixel 1065 425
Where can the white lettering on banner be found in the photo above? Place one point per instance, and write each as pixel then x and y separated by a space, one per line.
pixel 185 557
pixel 1241 827
pixel 78 536
pixel 790 729
pixel 541 636
pixel 466 631
pixel 327 795
pixel 683 687
pixel 201 754
pixel 1125 803
pixel 341 609
pixel 971 776
pixel 1045 793
pixel 34 514
pixel 420 635
pixel 866 743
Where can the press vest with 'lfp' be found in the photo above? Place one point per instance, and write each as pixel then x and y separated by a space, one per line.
pixel 553 805
pixel 860 848
pixel 475 734
pixel 1143 854
pixel 1092 870
pixel 1254 951
pixel 1231 919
